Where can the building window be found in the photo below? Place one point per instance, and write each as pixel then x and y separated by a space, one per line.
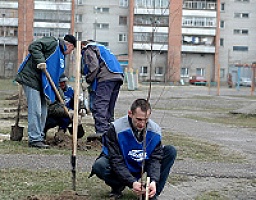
pixel 199 21
pixel 80 2
pixel 101 10
pixel 241 31
pixel 123 3
pixel 122 20
pixel 242 1
pixel 222 24
pixel 49 16
pixel 56 32
pixel 79 18
pixel 122 37
pixel 143 71
pixel 241 15
pixel 184 72
pixel 222 73
pixel 197 5
pixel 159 71
pixel 8 31
pixel 222 6
pixel 78 36
pixel 102 26
pixel 240 48
pixel 200 71
pixel 222 42
pixel 151 3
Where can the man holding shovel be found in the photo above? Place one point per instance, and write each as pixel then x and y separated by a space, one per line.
pixel 56 113
pixel 50 51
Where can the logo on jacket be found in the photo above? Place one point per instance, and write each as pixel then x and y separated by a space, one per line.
pixel 62 63
pixel 137 155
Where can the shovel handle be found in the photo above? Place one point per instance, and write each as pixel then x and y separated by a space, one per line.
pixel 42 66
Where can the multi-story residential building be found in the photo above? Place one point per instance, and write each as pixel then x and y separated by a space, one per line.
pixel 171 40
pixel 22 21
pixel 105 22
pixel 8 37
pixel 237 42
pixel 199 39
pixel 195 37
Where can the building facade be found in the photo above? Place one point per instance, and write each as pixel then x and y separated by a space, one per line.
pixel 8 37
pixel 166 41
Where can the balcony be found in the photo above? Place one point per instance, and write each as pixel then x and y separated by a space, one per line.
pixel 151 11
pixel 147 46
pixel 7 4
pixel 9 40
pixel 198 49
pixel 47 5
pixel 199 31
pixel 199 5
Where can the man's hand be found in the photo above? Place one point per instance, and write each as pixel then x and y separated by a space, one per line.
pixel 137 188
pixel 71 114
pixel 152 189
pixel 41 66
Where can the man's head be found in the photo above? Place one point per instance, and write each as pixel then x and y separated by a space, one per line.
pixel 85 42
pixel 62 81
pixel 70 42
pixel 139 113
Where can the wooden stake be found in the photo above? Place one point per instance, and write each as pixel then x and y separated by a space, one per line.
pixel 147 188
pixel 75 117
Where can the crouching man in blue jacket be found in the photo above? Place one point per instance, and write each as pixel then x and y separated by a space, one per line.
pixel 124 153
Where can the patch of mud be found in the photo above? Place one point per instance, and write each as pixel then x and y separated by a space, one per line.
pixel 64 141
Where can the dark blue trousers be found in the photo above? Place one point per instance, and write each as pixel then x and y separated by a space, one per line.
pixel 104 104
pixel 102 169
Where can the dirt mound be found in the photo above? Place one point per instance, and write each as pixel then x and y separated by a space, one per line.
pixel 65 195
pixel 63 140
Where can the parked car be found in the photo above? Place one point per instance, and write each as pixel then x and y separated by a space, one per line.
pixel 197 80
pixel 244 81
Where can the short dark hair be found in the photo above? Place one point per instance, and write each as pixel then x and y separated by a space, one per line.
pixel 71 39
pixel 85 42
pixel 143 104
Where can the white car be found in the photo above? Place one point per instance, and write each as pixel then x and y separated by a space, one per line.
pixel 244 81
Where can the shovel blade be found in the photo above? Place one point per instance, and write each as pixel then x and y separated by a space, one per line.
pixel 16 133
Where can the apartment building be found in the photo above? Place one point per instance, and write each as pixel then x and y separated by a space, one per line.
pixel 105 22
pixel 167 40
pixel 237 42
pixel 8 37
pixel 23 21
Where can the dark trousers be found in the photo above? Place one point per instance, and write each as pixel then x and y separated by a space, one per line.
pixel 51 122
pixel 102 169
pixel 104 104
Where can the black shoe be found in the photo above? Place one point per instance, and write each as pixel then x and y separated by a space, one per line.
pixel 39 145
pixel 116 193
pixel 94 136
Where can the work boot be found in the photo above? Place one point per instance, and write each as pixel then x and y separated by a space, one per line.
pixel 116 193
pixel 39 145
pixel 59 136
pixel 94 136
